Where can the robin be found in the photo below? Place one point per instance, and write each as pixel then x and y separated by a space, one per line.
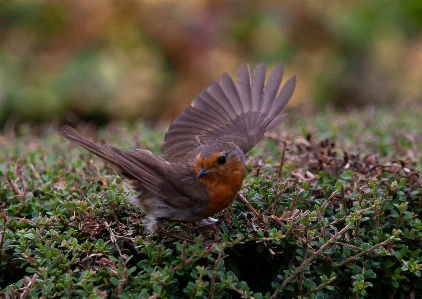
pixel 204 162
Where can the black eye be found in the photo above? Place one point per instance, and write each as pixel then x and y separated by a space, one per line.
pixel 221 160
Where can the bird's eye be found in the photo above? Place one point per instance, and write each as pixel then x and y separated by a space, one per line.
pixel 221 160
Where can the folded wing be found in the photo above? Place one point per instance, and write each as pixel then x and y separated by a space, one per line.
pixel 140 165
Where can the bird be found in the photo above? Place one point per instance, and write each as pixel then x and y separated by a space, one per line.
pixel 203 154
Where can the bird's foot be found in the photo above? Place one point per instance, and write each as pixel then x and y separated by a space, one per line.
pixel 207 224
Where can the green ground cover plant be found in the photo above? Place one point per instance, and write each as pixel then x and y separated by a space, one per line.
pixel 330 209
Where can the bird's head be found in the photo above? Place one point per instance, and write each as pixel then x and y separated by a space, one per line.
pixel 219 161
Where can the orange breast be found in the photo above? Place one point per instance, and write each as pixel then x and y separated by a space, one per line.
pixel 223 188
pixel 221 197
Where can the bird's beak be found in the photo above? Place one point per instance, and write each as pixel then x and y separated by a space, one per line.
pixel 201 173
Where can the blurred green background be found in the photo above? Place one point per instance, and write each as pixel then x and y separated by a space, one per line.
pixel 105 60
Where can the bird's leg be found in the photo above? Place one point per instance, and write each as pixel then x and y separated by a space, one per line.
pixel 207 223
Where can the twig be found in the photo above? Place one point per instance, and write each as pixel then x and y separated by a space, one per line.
pixel 3 216
pixel 294 202
pixel 363 253
pixel 343 198
pixel 90 257
pixel 190 260
pixel 184 253
pixel 320 287
pixel 282 159
pixel 353 247
pixel 113 238
pixel 242 293
pixel 122 279
pixel 309 259
pixel 15 187
pixel 214 275
pixel 393 294
pixel 336 222
pixel 246 202
pixel 328 200
pixel 28 282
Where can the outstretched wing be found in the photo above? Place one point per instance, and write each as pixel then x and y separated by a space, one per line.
pixel 237 112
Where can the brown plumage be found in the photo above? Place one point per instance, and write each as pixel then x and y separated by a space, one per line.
pixel 204 164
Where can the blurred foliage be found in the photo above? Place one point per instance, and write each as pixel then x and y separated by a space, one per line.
pixel 102 60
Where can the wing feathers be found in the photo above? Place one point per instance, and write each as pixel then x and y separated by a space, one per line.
pixel 150 171
pixel 276 121
pixel 232 94
pixel 220 99
pixel 282 99
pixel 271 90
pixel 258 86
pixel 244 86
pixel 201 118
pixel 142 165
pixel 203 102
pixel 240 112
pixel 139 164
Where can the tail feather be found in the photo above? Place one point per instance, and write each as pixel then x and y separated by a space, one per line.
pixel 101 151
